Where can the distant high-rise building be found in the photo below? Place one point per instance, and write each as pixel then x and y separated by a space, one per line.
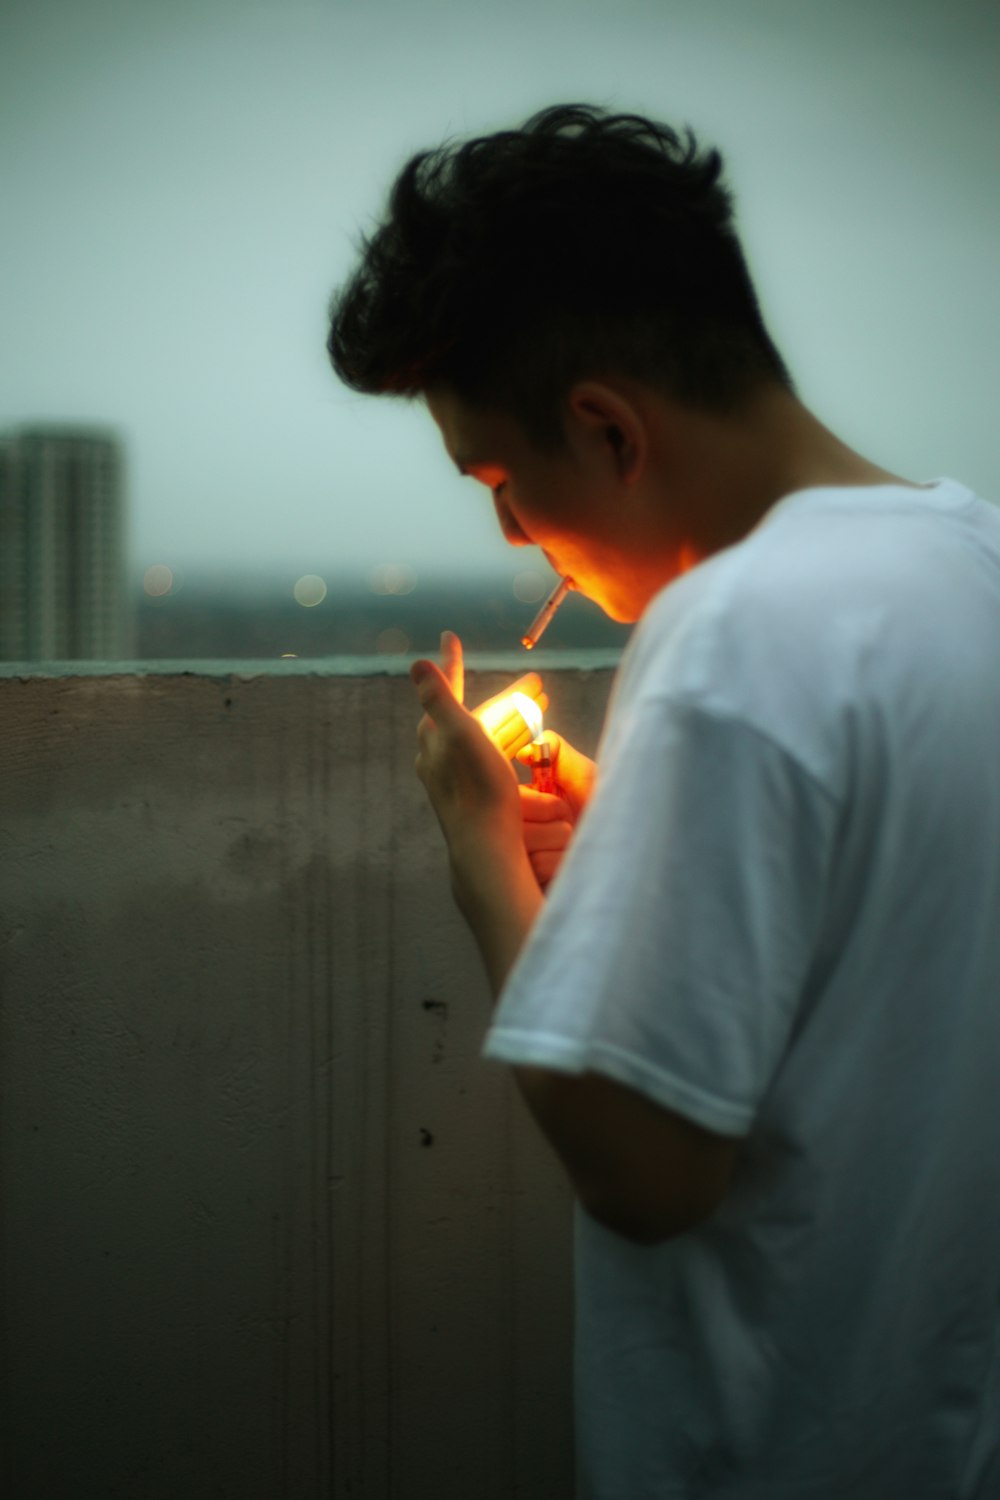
pixel 63 593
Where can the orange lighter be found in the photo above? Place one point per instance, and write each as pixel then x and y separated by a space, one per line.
pixel 542 776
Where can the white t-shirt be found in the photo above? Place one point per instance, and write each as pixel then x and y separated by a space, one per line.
pixel 780 917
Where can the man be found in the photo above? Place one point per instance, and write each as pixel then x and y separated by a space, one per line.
pixel 757 1011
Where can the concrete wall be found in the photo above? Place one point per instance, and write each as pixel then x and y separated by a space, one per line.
pixel 271 1228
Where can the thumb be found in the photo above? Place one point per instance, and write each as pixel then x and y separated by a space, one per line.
pixel 435 694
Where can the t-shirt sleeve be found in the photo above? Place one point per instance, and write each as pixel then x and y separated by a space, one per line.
pixel 676 940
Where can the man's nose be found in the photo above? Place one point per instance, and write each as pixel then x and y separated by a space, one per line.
pixel 511 530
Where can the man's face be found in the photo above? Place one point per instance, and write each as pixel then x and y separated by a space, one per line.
pixel 555 501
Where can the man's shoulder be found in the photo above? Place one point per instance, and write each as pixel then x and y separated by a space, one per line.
pixel 821 562
pixel 749 606
pixel 835 601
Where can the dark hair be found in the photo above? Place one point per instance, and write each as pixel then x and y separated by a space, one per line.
pixel 583 243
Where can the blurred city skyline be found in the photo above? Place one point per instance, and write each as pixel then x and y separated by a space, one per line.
pixel 183 186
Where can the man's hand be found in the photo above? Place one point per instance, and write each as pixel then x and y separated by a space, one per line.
pixel 547 827
pixel 547 821
pixel 502 721
pixel 473 790
pixel 574 774
pixel 471 785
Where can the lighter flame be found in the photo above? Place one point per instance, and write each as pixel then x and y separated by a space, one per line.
pixel 530 713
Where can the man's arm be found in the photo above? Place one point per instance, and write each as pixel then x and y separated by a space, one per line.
pixel 643 1171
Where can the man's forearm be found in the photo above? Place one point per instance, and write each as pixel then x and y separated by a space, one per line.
pixel 500 901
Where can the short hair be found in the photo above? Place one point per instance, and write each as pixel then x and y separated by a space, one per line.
pixel 580 245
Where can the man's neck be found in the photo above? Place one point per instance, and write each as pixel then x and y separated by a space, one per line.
pixel 734 468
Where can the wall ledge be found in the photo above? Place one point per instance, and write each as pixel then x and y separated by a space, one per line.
pixel 515 662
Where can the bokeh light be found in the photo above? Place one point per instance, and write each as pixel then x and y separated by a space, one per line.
pixel 529 586
pixel 157 581
pixel 392 642
pixel 310 591
pixel 393 578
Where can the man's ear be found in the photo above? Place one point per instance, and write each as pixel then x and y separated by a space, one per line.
pixel 609 426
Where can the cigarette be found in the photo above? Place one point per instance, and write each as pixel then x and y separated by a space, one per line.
pixel 543 618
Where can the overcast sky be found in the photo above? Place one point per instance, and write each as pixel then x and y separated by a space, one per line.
pixel 181 180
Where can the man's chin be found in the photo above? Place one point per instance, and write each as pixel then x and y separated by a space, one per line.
pixel 622 614
pixel 621 611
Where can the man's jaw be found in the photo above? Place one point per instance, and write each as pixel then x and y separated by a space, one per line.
pixel 571 583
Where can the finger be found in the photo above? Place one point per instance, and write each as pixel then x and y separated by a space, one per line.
pixel 545 866
pixel 501 709
pixel 530 685
pixel 507 715
pixel 497 707
pixel 511 732
pixel 511 740
pixel 436 696
pixel 539 836
pixel 543 807
pixel 425 731
pixel 512 737
pixel 453 663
